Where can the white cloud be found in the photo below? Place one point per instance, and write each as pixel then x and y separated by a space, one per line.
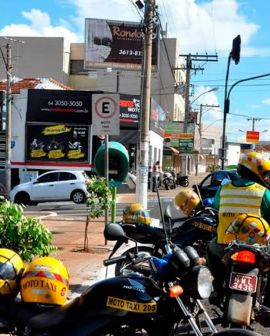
pixel 40 25
pixel 210 26
pixel 266 101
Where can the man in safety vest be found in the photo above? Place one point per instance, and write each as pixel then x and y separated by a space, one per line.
pixel 247 194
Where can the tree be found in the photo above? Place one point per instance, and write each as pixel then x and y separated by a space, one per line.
pixel 26 236
pixel 98 200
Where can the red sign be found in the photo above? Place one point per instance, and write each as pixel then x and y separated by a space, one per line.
pixel 253 136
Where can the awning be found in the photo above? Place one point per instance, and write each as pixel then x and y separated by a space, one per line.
pixel 127 136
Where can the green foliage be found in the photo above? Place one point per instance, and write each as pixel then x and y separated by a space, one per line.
pixel 99 198
pixel 26 236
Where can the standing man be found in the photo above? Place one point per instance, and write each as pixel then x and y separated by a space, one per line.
pixel 156 174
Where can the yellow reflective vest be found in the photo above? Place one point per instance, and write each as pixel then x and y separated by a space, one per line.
pixel 237 200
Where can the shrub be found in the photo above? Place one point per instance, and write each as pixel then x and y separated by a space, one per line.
pixel 26 236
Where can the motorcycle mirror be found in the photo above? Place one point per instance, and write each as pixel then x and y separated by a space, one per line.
pixel 114 231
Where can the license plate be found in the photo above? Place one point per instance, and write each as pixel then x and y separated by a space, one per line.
pixel 132 306
pixel 243 282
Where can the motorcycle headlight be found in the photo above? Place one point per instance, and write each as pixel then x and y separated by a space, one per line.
pixel 202 279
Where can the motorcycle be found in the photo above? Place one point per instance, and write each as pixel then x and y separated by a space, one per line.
pixel 169 180
pixel 172 293
pixel 124 305
pixel 183 181
pixel 247 267
pixel 196 230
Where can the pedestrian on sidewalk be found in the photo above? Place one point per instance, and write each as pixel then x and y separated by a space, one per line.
pixel 156 175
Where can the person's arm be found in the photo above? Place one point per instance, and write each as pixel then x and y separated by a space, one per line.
pixel 265 206
pixel 216 203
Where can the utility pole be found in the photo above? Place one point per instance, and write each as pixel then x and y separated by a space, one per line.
pixel 188 68
pixel 8 119
pixel 145 105
pixel 201 112
pixel 253 122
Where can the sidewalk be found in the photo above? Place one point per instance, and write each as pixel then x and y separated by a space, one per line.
pixel 68 236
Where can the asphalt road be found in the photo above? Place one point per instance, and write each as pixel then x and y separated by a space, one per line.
pixel 70 209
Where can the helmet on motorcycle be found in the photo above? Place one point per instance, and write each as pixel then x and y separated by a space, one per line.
pixel 256 165
pixel 248 228
pixel 45 280
pixel 187 201
pixel 134 214
pixel 11 268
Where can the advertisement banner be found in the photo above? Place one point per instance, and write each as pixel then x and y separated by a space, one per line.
pixel 57 142
pixel 60 106
pixel 130 110
pixel 110 43
pixel 186 142
pixel 253 136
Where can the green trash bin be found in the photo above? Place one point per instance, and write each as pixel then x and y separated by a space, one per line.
pixel 118 162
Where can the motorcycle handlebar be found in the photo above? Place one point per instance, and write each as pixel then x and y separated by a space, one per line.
pixel 111 261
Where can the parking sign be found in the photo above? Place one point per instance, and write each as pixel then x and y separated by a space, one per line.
pixel 105 114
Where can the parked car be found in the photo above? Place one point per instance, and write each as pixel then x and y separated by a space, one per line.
pixel 210 184
pixel 52 186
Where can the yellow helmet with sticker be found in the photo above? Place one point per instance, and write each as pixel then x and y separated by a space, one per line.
pixel 248 228
pixel 11 268
pixel 135 214
pixel 45 280
pixel 258 165
pixel 187 201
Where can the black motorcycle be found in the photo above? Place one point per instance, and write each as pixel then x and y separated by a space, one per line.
pixel 196 230
pixel 247 274
pixel 124 305
pixel 183 181
pixel 169 180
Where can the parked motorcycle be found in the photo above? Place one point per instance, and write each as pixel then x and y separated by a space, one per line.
pixel 169 180
pixel 183 181
pixel 170 297
pixel 196 230
pixel 246 278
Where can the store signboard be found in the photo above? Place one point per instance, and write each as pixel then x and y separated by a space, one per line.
pixel 58 142
pixel 110 43
pixel 186 142
pixel 252 136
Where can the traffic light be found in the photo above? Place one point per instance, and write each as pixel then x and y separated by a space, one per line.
pixel 118 162
pixel 236 47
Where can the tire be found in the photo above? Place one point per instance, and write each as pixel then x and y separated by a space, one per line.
pixel 166 184
pixel 22 198
pixel 237 332
pixel 78 197
pixel 141 268
pixel 185 183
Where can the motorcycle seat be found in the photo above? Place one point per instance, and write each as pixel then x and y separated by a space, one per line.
pixel 55 316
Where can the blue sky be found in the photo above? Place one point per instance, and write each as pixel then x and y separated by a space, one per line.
pixel 200 25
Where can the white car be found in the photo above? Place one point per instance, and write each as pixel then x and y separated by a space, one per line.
pixel 52 186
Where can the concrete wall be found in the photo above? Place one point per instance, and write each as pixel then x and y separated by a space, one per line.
pixel 39 57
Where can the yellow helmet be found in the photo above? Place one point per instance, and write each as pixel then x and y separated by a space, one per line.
pixel 134 214
pixel 11 268
pixel 187 201
pixel 254 162
pixel 248 228
pixel 45 280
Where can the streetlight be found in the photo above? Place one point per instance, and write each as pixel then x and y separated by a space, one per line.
pixel 227 110
pixel 203 93
pixel 235 55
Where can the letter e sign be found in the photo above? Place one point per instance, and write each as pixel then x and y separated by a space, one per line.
pixel 105 114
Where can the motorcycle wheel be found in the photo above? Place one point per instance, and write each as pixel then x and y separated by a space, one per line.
pixel 184 183
pixel 140 267
pixel 166 184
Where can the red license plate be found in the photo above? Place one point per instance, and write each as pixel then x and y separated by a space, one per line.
pixel 243 282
